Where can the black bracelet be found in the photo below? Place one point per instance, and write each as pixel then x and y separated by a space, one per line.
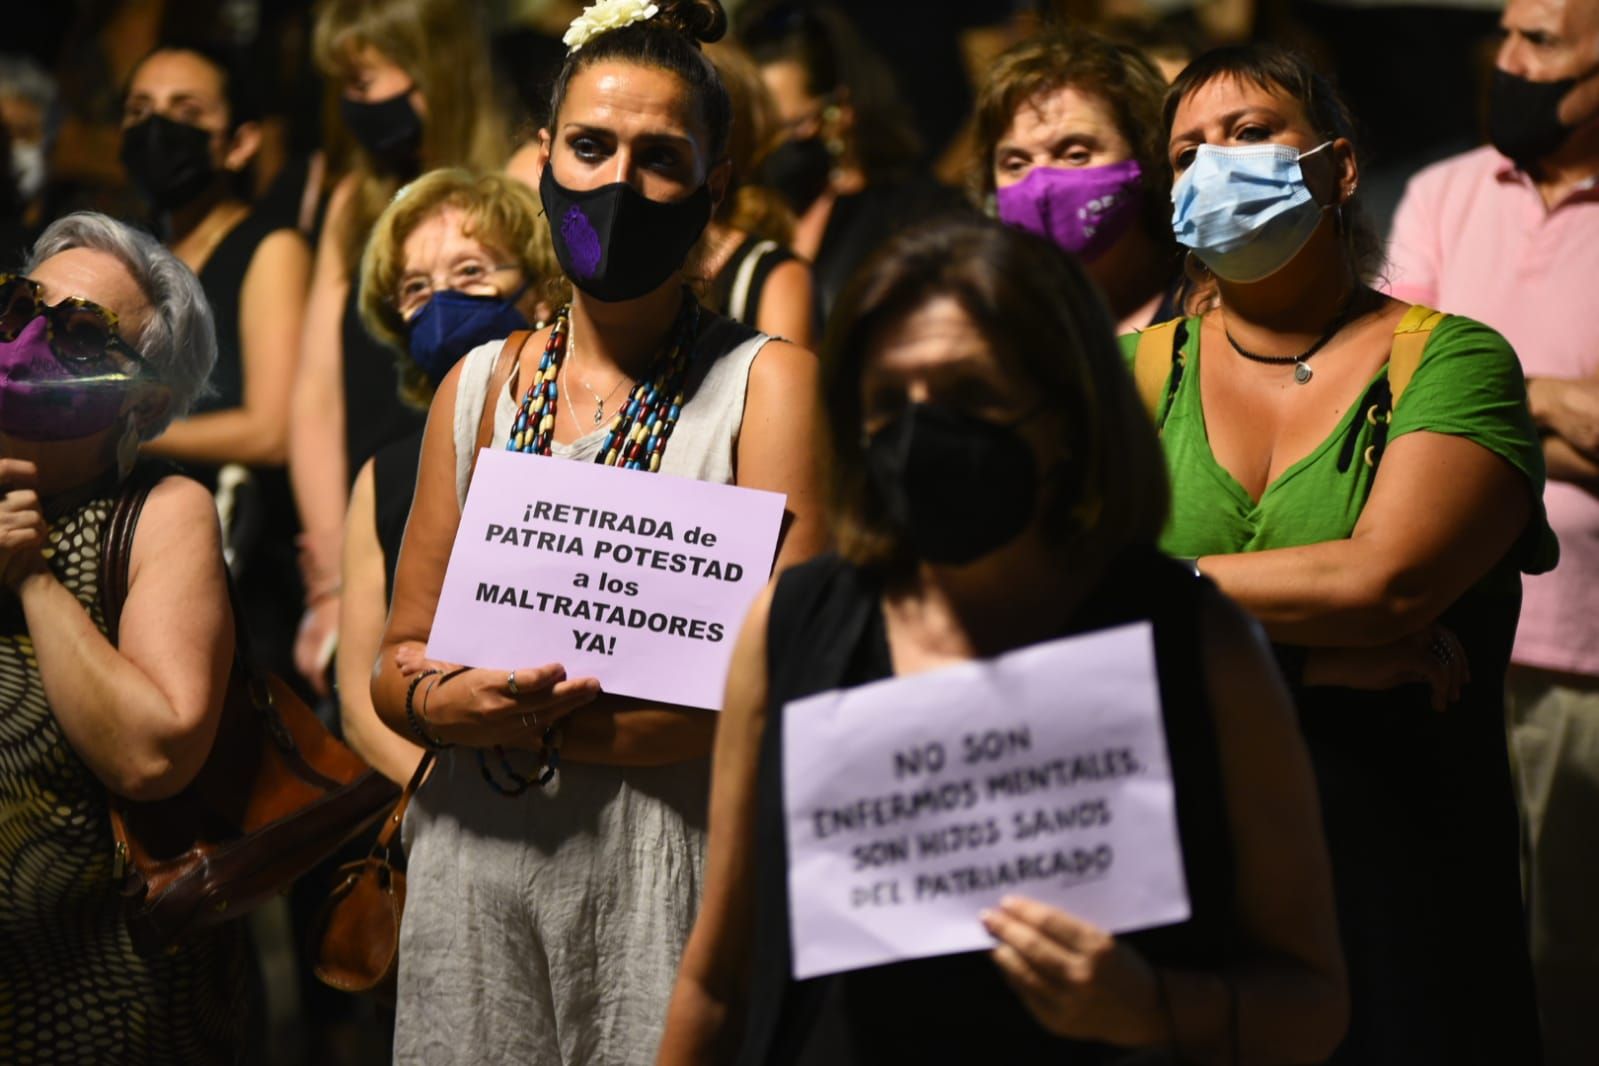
pixel 414 722
pixel 552 754
pixel 549 765
pixel 519 784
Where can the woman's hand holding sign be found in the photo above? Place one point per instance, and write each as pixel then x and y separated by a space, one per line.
pixel 1076 979
pixel 481 708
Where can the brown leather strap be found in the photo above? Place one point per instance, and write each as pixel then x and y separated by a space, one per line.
pixel 501 376
pixel 116 543
pixel 116 548
pixel 392 824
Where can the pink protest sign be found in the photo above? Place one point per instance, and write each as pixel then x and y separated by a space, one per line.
pixel 638 579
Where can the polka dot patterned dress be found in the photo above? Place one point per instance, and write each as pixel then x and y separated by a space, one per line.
pixel 72 990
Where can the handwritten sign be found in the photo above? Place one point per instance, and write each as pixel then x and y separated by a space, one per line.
pixel 638 579
pixel 913 803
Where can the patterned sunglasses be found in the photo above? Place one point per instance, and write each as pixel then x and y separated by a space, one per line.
pixel 81 333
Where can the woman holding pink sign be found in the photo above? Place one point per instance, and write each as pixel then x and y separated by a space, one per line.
pixel 546 911
pixel 996 486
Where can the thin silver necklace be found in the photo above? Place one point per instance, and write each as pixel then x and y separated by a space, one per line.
pixel 599 401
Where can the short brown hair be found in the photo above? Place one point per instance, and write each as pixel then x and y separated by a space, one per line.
pixel 1277 70
pixel 1050 330
pixel 1118 74
pixel 500 211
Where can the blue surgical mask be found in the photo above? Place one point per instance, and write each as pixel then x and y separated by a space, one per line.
pixel 452 323
pixel 1246 211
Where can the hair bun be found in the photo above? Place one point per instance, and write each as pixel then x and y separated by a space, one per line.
pixel 702 20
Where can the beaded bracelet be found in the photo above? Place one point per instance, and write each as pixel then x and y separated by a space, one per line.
pixel 519 784
pixel 552 754
pixel 414 722
pixel 550 764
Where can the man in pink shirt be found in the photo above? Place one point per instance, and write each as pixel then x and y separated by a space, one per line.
pixel 1510 235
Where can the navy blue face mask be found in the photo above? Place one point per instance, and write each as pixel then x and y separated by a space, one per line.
pixel 452 323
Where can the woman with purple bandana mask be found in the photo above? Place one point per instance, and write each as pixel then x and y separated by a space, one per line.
pixel 104 340
pixel 1068 129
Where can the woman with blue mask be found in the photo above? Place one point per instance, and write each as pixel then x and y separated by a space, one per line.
pixel 1363 476
pixel 457 261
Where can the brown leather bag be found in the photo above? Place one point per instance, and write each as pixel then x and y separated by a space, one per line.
pixel 354 941
pixel 278 793
pixel 355 938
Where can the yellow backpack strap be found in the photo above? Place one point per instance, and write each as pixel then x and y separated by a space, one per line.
pixel 1152 363
pixel 1410 341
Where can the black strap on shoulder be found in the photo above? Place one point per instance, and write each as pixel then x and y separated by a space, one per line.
pixel 116 550
pixel 116 540
pixel 819 611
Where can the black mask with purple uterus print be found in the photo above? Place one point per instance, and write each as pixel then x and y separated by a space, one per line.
pixel 615 243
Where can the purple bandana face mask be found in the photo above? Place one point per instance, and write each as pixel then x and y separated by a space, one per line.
pixel 1085 210
pixel 42 400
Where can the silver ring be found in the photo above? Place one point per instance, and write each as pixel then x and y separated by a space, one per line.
pixel 1442 651
pixel 510 683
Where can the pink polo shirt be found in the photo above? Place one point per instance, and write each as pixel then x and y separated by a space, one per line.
pixel 1472 236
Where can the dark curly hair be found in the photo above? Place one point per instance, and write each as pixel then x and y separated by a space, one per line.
pixel 1116 73
pixel 1278 70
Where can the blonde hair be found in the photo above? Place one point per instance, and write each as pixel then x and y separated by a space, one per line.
pixel 440 44
pixel 499 211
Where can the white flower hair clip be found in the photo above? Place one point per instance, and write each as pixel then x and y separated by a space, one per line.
pixel 604 16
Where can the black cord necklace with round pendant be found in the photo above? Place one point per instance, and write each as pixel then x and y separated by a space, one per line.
pixel 1302 371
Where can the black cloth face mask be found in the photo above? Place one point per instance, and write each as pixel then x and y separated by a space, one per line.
pixel 614 242
pixel 390 130
pixel 798 170
pixel 168 162
pixel 955 486
pixel 1524 116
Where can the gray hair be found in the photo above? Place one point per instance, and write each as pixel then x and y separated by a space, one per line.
pixel 25 79
pixel 179 340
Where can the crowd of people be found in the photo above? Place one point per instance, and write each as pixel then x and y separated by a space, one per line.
pixel 1109 336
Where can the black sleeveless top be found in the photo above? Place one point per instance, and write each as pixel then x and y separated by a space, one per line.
pixel 753 260
pixel 827 631
pixel 393 486
pixel 374 414
pixel 222 278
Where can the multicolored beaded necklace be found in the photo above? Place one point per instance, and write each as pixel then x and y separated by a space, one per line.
pixel 635 440
pixel 638 432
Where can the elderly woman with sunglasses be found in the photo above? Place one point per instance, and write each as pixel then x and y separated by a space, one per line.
pixel 103 341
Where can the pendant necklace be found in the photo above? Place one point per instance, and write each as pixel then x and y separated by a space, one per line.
pixel 599 401
pixel 1302 371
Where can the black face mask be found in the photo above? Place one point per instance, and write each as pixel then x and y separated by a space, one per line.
pixel 955 486
pixel 168 162
pixel 390 130
pixel 1524 116
pixel 614 242
pixel 798 170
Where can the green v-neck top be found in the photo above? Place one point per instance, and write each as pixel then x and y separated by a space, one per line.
pixel 1469 384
